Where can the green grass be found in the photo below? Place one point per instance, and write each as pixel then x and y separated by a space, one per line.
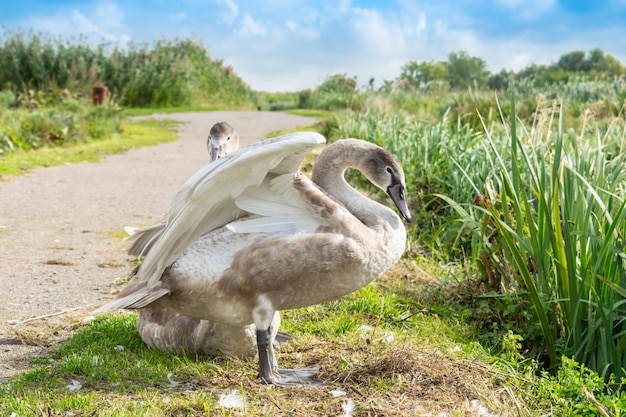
pixel 527 216
pixel 119 375
pixel 134 135
pixel 318 114
pixel 109 361
pixel 396 347
pixel 551 227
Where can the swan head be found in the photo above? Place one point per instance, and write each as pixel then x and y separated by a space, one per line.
pixel 222 140
pixel 384 170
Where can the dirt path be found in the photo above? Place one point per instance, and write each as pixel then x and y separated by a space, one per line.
pixel 60 228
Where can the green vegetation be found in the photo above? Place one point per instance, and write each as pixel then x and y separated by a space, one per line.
pixel 519 204
pixel 535 211
pixel 53 119
pixel 167 73
pixel 130 136
pixel 382 345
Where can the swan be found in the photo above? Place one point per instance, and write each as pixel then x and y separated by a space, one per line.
pixel 222 140
pixel 248 235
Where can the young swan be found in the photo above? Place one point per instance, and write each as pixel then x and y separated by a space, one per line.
pixel 222 140
pixel 248 236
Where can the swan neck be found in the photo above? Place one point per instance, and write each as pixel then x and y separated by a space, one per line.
pixel 330 168
pixel 329 174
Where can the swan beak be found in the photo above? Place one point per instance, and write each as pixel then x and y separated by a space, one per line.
pixel 396 192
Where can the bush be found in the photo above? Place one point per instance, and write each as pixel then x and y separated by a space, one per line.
pixel 167 73
pixel 54 119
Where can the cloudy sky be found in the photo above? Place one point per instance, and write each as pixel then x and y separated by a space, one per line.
pixel 283 45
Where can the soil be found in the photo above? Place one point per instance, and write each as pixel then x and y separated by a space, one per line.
pixel 61 229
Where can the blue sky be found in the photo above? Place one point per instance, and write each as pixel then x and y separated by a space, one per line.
pixel 281 45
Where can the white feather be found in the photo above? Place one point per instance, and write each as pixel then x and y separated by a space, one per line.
pixel 277 208
pixel 207 200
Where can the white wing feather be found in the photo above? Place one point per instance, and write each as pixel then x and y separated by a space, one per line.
pixel 207 200
pixel 277 208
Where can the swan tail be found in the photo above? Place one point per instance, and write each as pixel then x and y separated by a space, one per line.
pixel 143 238
pixel 135 300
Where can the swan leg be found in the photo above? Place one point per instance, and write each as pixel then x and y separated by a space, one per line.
pixel 271 374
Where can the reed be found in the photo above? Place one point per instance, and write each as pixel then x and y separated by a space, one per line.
pixel 536 210
pixel 552 217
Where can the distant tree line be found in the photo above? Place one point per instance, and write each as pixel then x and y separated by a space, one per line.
pixel 462 71
pixel 182 73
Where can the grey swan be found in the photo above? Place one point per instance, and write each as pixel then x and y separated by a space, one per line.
pixel 249 235
pixel 222 140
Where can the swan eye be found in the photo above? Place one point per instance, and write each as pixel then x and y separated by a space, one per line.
pixel 389 170
pixel 228 138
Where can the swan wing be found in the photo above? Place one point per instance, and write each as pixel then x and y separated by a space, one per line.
pixel 206 200
pixel 277 208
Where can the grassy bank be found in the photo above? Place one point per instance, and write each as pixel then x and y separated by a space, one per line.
pixel 394 348
pixel 131 135
pixel 532 214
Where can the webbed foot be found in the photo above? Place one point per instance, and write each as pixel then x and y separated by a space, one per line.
pixel 292 377
pixel 269 373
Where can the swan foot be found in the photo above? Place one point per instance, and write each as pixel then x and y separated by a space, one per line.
pixel 269 372
pixel 293 377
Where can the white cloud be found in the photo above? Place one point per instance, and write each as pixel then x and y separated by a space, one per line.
pixel 302 32
pixel 82 24
pixel 102 22
pixel 414 23
pixel 108 15
pixel 518 61
pixel 232 13
pixel 421 24
pixel 249 26
pixel 339 8
pixel 376 33
pixel 440 27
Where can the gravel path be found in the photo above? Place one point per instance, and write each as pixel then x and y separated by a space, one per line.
pixel 60 228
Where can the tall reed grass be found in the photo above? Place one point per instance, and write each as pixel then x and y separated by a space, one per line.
pixel 537 208
pixel 556 216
